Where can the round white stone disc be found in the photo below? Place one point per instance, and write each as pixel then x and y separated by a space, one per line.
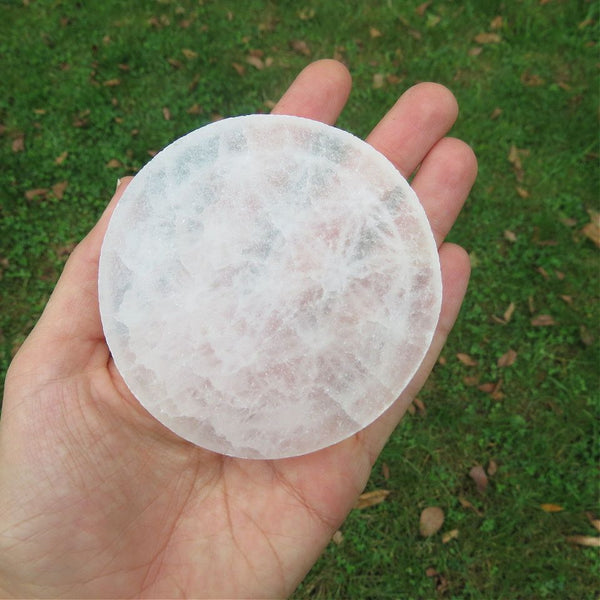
pixel 268 286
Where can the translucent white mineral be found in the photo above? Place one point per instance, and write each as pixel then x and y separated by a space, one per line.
pixel 268 286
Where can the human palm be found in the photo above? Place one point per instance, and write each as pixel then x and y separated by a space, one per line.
pixel 98 499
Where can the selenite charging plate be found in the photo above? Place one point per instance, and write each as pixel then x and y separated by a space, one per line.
pixel 268 286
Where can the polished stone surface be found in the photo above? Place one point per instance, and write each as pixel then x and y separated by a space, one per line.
pixel 268 286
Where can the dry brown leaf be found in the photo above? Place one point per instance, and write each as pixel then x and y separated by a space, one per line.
pixel 300 46
pixel 338 537
pixel 60 159
pixel 584 540
pixel 586 336
pixel 471 380
pixel 371 498
pixel 36 193
pixel 112 82
pixel 478 475
pixel 189 54
pixel 487 38
pixel 566 298
pixel 551 508
pixel 522 192
pixel 496 113
pixel 58 189
pixel 592 229
pixel 465 359
pixel 510 236
pixel 431 521
pixel 195 109
pixel 475 51
pixel 240 69
pixel 543 272
pixel 492 468
pixel 532 79
pixel 374 33
pixel 166 113
pixel 176 64
pixel 18 144
pixel 123 67
pixel 306 14
pixel 420 10
pixel 256 62
pixel 507 359
pixel 393 79
pixel 449 535
pixel 431 572
pixel 497 22
pixel 508 313
pixel 593 521
pixel 113 163
pixel 543 321
pixel 385 470
pixel 466 504
pixel 488 387
pixel 420 406
pixel 378 81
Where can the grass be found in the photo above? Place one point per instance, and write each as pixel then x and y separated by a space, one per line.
pixel 84 92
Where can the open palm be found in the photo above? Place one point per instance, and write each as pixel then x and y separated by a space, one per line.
pixel 98 499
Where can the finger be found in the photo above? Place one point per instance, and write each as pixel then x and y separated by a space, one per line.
pixel 420 117
pixel 443 183
pixel 319 92
pixel 455 266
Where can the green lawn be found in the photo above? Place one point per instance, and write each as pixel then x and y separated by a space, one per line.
pixel 89 90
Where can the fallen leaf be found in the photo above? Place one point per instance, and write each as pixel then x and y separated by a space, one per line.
pixel 586 336
pixel 176 64
pixel 584 540
pixel 166 113
pixel 338 537
pixel 478 475
pixel 374 33
pixel 39 111
pixel 496 113
pixel 393 79
pixel 492 468
pixel 113 163
pixel 256 62
pixel 543 272
pixel 593 521
pixel 466 504
pixel 123 67
pixel 566 298
pixel 35 193
pixel 476 51
pixel 240 69
pixel 522 192
pixel 420 10
pixel 531 79
pixel 431 572
pixel 420 406
pixel 195 109
pixel 508 313
pixel 112 83
pixel 385 470
pixel 551 508
pixel 194 83
pixel 559 275
pixel 449 535
pixel 510 236
pixel 531 304
pixel 300 46
pixel 189 54
pixel 471 380
pixel 543 321
pixel 507 359
pixel 60 159
pixel 378 81
pixel 371 498
pixel 465 359
pixel 592 229
pixel 306 14
pixel 487 38
pixel 497 22
pixel 431 521
pixel 58 189
pixel 488 387
pixel 18 144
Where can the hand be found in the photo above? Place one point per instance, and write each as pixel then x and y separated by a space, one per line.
pixel 98 499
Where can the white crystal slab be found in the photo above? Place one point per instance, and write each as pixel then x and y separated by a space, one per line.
pixel 268 286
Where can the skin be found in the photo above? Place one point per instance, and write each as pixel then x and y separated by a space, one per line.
pixel 98 499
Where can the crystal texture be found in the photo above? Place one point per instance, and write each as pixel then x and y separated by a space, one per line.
pixel 268 286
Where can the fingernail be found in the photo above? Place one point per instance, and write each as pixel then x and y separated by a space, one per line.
pixel 118 184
